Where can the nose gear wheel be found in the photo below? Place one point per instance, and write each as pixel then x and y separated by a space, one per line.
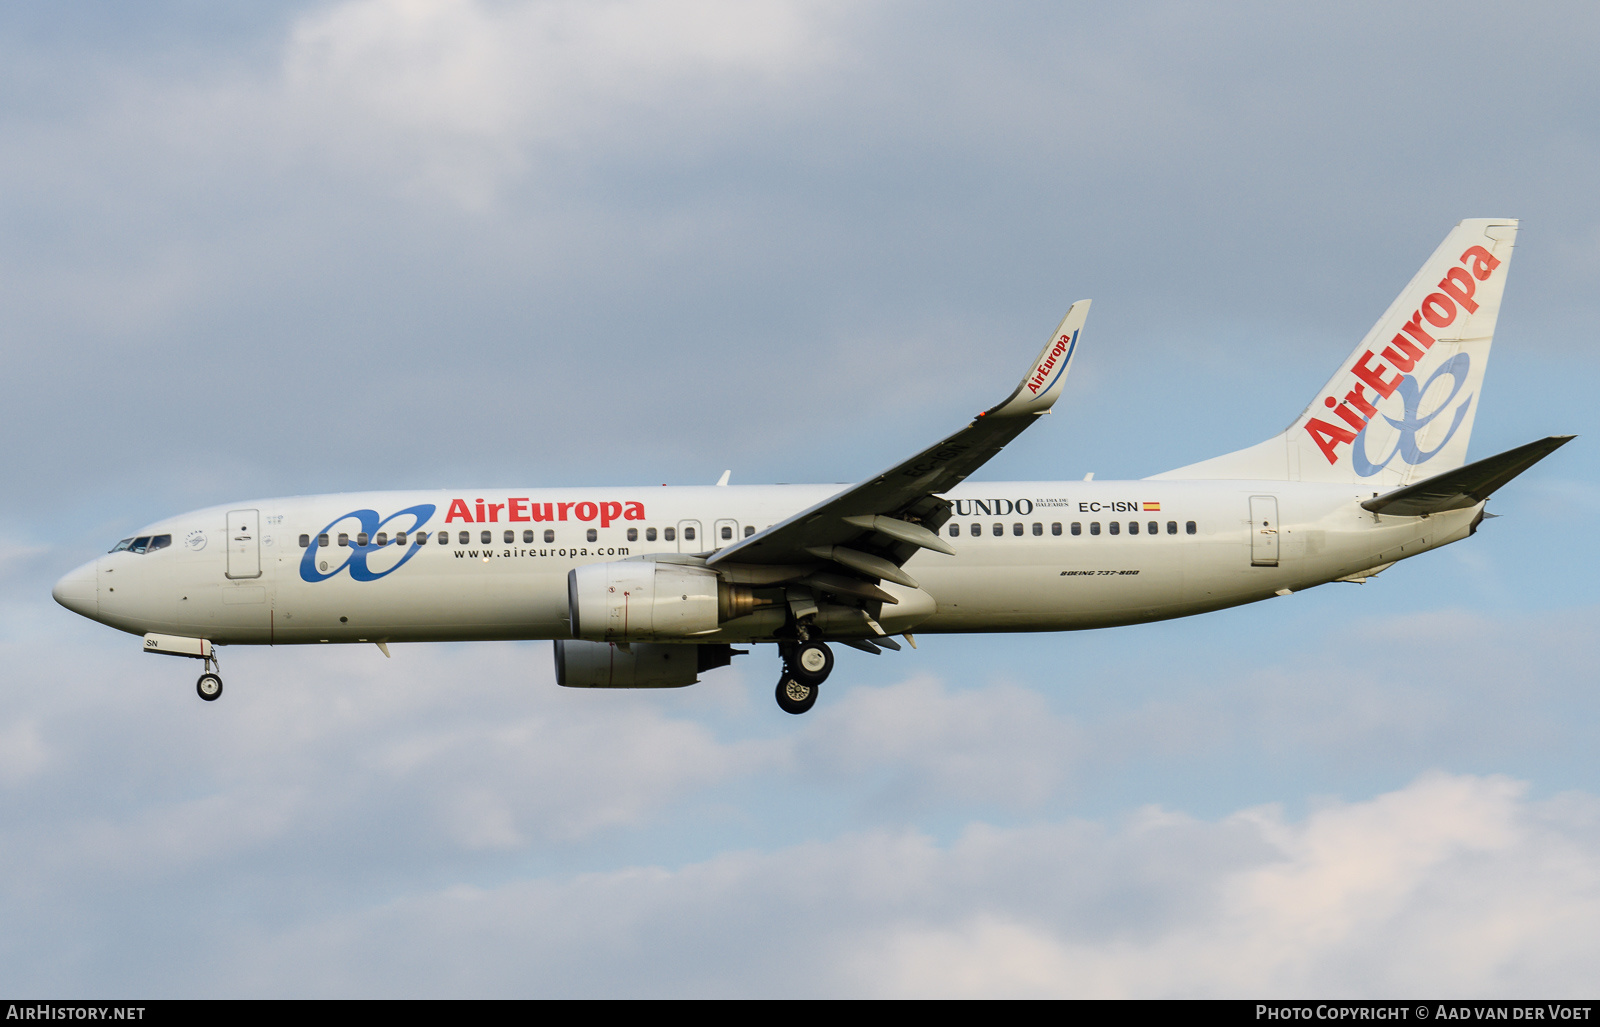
pixel 209 686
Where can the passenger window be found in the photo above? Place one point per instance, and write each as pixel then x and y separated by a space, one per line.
pixel 1038 529
pixel 727 533
pixel 977 529
pixel 1094 527
pixel 322 541
pixel 649 534
pixel 749 529
pixel 1077 527
pixel 1116 526
pixel 510 536
pixel 400 538
pixel 1188 526
pixel 549 534
pixel 688 534
pixel 527 536
pixel 442 537
pixel 1055 527
pixel 1172 527
pixel 633 534
pixel 1133 527
pixel 383 538
pixel 955 530
pixel 1016 529
pixel 344 538
pixel 465 537
pixel 999 529
pixel 592 535
pixel 484 538
pixel 361 538
pixel 1154 528
pixel 670 534
pixel 305 541
pixel 421 538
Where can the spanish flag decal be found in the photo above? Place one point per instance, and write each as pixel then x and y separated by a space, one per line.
pixel 1152 508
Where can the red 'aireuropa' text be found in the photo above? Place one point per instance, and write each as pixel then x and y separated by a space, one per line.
pixel 1383 376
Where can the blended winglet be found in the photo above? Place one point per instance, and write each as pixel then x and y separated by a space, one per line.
pixel 1043 383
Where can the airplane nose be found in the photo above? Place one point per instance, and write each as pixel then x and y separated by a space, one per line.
pixel 79 591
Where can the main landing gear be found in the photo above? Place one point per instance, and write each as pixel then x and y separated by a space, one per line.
pixel 805 666
pixel 210 684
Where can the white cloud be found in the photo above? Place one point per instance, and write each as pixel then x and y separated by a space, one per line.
pixel 999 744
pixel 14 557
pixel 23 752
pixel 1454 884
pixel 452 93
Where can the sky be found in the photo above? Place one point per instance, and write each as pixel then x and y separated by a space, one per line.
pixel 253 250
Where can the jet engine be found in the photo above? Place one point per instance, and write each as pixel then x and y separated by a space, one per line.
pixel 641 600
pixel 582 664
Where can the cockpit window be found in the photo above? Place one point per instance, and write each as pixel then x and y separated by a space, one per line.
pixel 159 542
pixel 120 546
pixel 139 544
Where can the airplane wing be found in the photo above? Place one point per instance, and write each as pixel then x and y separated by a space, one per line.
pixel 845 545
pixel 1464 486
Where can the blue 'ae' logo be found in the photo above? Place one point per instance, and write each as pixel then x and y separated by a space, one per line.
pixel 1413 421
pixel 357 560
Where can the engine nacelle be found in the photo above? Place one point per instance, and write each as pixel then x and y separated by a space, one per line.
pixel 639 600
pixel 582 664
pixel 643 601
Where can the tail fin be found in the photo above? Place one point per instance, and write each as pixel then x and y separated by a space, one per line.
pixel 1401 406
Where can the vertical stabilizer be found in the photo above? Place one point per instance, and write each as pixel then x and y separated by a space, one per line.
pixel 1401 406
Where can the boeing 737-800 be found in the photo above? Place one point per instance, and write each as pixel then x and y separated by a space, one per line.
pixel 650 587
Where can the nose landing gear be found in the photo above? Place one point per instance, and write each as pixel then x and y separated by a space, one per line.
pixel 805 666
pixel 210 684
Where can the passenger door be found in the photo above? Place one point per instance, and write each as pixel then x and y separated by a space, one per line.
pixel 244 543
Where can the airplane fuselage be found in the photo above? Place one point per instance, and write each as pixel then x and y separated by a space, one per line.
pixel 1029 556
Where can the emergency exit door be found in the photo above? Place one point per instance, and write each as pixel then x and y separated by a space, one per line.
pixel 1263 531
pixel 244 544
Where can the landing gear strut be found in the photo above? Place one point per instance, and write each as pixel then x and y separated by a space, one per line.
pixel 210 684
pixel 805 666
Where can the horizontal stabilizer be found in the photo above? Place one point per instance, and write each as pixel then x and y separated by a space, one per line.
pixel 1464 486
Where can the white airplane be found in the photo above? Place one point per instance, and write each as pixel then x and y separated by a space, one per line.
pixel 650 587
